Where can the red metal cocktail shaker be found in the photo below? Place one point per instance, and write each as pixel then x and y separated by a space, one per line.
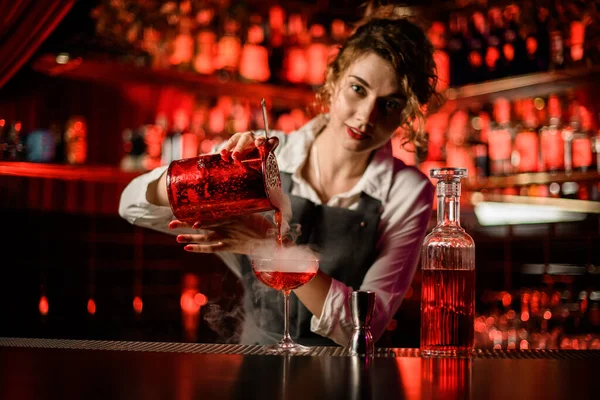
pixel 208 187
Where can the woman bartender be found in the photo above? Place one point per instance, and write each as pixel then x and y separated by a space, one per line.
pixel 365 211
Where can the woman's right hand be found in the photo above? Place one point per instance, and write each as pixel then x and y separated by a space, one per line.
pixel 241 144
pixel 241 234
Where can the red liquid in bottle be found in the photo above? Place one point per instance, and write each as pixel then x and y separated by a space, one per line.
pixel 447 311
pixel 284 280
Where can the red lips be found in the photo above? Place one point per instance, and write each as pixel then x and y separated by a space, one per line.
pixel 356 134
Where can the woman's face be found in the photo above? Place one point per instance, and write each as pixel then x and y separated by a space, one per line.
pixel 366 105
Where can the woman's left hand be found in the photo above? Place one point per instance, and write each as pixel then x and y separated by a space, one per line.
pixel 237 235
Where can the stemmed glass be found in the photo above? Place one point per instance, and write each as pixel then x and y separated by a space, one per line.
pixel 285 274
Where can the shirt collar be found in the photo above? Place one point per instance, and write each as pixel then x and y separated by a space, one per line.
pixel 377 179
pixel 294 152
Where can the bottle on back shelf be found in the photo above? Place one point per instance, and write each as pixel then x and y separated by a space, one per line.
pixel 542 22
pixel 477 141
pixel 216 124
pixel 578 145
pixel 166 155
pixel 525 156
pixel 536 40
pixel 134 148
pixel 437 36
pixel 476 48
pixel 39 146
pixel 556 33
pixel 595 151
pixel 154 135
pixel 276 37
pixel 458 151
pixel 339 32
pixel 435 126
pixel 494 58
pixel 576 56
pixel 584 304
pixel 591 20
pixel 543 36
pixel 240 116
pixel 183 43
pixel 172 146
pixel 593 312
pixel 533 61
pixel 59 142
pixel 317 53
pixel 513 46
pixel 206 41
pixel 495 27
pixel 493 63
pixel 294 62
pixel 199 120
pixel 76 143
pixel 229 49
pixel 572 323
pixel 500 139
pixel 151 44
pixel 457 49
pixel 551 140
pixel 3 139
pixel 162 36
pixel 183 143
pixel 584 151
pixel 14 141
pixel 254 62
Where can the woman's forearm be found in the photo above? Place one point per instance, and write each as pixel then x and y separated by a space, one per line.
pixel 314 293
pixel 157 191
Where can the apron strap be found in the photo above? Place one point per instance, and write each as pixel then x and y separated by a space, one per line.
pixel 367 204
pixel 286 182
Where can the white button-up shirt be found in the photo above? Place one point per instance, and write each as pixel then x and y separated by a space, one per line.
pixel 406 196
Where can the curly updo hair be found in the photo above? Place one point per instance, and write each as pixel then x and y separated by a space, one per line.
pixel 406 47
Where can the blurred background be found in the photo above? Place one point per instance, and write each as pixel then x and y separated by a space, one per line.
pixel 94 93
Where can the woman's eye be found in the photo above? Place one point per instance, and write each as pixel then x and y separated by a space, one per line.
pixel 389 107
pixel 392 105
pixel 357 88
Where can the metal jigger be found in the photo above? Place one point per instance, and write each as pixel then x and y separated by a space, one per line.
pixel 362 304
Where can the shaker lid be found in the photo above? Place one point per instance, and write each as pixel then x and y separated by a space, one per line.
pixel 271 172
pixel 272 181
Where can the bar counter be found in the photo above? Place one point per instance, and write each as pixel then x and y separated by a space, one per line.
pixel 87 369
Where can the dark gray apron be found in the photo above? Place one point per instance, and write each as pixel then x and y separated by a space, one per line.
pixel 345 240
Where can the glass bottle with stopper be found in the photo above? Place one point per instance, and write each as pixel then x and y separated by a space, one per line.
pixel 448 275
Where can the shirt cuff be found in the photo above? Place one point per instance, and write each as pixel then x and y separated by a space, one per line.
pixel 135 208
pixel 146 179
pixel 155 210
pixel 335 321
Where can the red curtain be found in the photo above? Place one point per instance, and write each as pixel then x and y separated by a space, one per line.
pixel 24 25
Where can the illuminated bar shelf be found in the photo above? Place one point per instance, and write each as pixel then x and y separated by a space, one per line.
pixel 525 179
pixel 529 85
pixel 83 173
pixel 289 96
pixel 98 173
pixel 282 96
pixel 118 73
pixel 572 205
